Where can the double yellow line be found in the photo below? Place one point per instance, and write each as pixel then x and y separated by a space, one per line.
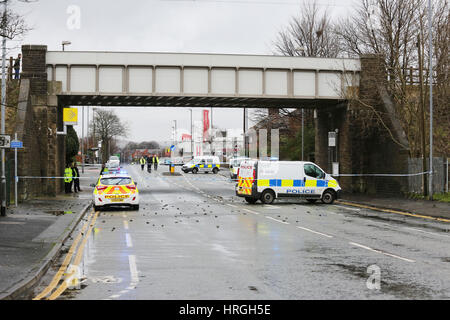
pixel 391 211
pixel 62 270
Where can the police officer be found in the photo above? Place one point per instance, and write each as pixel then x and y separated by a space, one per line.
pixel 149 164
pixel 155 161
pixel 142 162
pixel 68 179
pixel 76 176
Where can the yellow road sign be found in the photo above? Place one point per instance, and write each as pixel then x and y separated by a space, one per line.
pixel 70 116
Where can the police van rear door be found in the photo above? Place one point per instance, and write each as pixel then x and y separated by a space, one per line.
pixel 246 177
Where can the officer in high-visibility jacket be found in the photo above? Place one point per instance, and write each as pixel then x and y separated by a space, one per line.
pixel 155 161
pixel 68 179
pixel 142 162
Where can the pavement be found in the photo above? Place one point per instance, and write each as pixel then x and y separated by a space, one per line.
pixel 33 234
pixel 426 208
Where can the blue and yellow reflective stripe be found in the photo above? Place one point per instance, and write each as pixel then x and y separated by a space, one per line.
pixel 296 183
pixel 207 166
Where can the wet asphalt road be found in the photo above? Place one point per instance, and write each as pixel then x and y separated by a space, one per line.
pixel 193 239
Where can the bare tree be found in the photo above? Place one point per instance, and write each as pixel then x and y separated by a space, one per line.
pixel 107 126
pixel 12 25
pixel 310 34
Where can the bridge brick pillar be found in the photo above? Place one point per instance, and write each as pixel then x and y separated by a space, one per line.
pixel 35 70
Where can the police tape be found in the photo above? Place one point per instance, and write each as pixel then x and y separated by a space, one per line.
pixel 381 174
pixel 35 177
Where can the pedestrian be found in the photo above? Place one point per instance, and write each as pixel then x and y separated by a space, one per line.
pixel 155 161
pixel 68 179
pixel 17 66
pixel 76 180
pixel 142 162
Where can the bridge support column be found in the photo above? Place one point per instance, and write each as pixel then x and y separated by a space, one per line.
pixel 44 119
pixel 336 120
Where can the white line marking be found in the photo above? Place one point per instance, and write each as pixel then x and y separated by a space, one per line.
pixel 125 224
pixel 251 211
pixel 277 220
pixel 115 296
pixel 231 205
pixel 382 252
pixel 271 207
pixel 432 233
pixel 128 239
pixel 133 270
pixel 353 209
pixel 319 233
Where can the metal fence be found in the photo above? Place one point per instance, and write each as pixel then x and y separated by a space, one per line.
pixel 440 174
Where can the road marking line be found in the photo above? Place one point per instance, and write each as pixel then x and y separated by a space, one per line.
pixel 271 207
pixel 251 211
pixel 432 233
pixel 353 209
pixel 76 261
pixel 277 220
pixel 125 224
pixel 231 205
pixel 133 270
pixel 66 261
pixel 316 232
pixel 379 251
pixel 128 240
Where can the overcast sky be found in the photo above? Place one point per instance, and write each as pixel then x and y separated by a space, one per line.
pixel 189 26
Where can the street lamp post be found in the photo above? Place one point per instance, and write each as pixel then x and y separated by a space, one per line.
pixel 65 43
pixel 3 111
pixel 430 72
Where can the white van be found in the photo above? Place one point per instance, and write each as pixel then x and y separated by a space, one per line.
pixel 268 180
pixel 202 164
pixel 234 166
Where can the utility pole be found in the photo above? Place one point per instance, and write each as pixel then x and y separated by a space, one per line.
pixel 82 139
pixel 192 137
pixel 430 72
pixel 3 111
pixel 422 115
pixel 245 133
pixel 303 131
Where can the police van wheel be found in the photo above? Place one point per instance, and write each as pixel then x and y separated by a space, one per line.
pixel 268 197
pixel 96 208
pixel 328 197
pixel 311 200
pixel 251 200
pixel 194 171
pixel 215 170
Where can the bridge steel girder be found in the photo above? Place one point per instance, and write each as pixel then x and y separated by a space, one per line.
pixel 267 81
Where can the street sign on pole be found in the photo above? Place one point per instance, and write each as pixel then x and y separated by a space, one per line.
pixel 16 144
pixel 70 116
pixel 5 141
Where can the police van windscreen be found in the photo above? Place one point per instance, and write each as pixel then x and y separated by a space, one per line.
pixel 116 181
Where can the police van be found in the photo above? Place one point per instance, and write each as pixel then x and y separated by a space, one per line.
pixel 202 164
pixel 269 180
